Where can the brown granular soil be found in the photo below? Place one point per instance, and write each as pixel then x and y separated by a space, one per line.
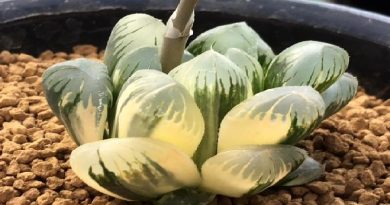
pixel 34 147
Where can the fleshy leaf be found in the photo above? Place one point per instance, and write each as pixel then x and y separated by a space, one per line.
pixel 134 168
pixel 249 169
pixel 236 35
pixel 187 56
pixel 186 197
pixel 249 65
pixel 141 58
pixel 79 93
pixel 307 172
pixel 279 115
pixel 339 94
pixel 217 85
pixel 132 32
pixel 312 63
pixel 152 104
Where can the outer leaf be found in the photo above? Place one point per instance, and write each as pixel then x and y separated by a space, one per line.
pixel 236 35
pixel 79 93
pixel 249 65
pixel 250 169
pixel 280 115
pixel 132 32
pixel 339 94
pixel 133 168
pixel 151 104
pixel 307 172
pixel 186 197
pixel 217 85
pixel 141 58
pixel 307 63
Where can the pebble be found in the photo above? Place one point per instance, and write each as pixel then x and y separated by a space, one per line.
pixel 377 127
pixel 31 194
pixel 6 101
pixel 319 187
pixel 299 191
pixel 367 178
pixel 21 200
pixel 378 168
pixel 368 198
pixel 386 185
pixel 26 176
pixel 30 69
pixel 60 201
pixel 7 193
pixel 371 140
pixel 44 169
pixel 25 58
pixel 27 156
pixel 54 182
pixel 335 144
pixel 47 198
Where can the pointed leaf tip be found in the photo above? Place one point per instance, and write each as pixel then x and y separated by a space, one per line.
pixel 250 65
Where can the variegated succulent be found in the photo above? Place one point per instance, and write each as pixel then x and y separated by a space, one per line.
pixel 225 121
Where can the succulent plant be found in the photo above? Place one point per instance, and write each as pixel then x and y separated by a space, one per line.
pixel 224 121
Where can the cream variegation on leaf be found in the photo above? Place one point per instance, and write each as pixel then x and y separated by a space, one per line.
pixel 130 33
pixel 217 85
pixel 134 168
pixel 151 104
pixel 249 169
pixel 279 115
pixel 310 63
pixel 80 93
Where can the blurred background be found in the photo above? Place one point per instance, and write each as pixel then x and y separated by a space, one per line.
pixel 379 6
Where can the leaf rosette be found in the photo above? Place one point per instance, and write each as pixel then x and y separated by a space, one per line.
pixel 225 121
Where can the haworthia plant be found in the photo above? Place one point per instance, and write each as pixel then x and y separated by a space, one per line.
pixel 236 35
pixel 217 85
pixel 312 63
pixel 80 93
pixel 224 121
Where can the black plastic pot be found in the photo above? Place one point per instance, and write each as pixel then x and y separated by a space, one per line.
pixel 32 26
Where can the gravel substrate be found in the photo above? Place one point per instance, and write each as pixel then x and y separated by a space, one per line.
pixel 34 148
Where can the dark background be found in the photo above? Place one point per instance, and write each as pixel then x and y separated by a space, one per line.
pixel 380 6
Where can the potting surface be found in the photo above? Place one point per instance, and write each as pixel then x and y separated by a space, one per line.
pixel 34 146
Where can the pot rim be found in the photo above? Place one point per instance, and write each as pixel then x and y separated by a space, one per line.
pixel 339 19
